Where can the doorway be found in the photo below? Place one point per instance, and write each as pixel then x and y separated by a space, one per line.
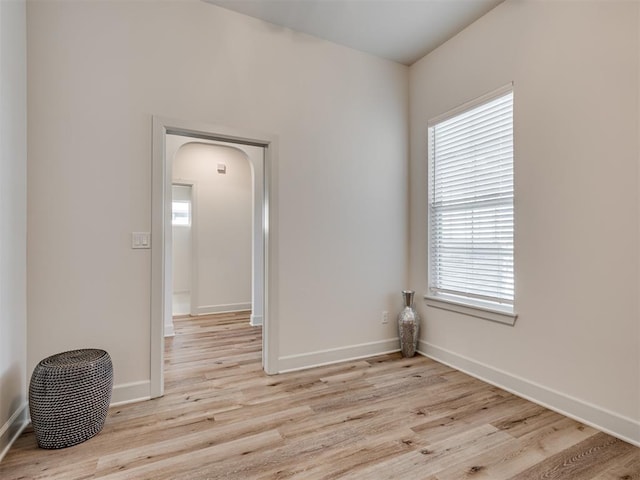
pixel 263 245
pixel 182 228
pixel 217 221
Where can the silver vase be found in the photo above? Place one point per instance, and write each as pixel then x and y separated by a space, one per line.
pixel 408 325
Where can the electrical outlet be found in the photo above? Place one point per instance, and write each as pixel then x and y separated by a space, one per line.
pixel 385 317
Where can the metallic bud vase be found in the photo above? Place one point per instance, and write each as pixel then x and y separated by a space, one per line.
pixel 408 325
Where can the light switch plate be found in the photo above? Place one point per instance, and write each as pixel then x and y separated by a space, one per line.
pixel 141 240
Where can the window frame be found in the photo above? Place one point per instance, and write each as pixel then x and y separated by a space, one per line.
pixel 496 312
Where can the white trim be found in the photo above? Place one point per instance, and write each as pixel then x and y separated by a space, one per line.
pixel 507 318
pixel 158 182
pixel 161 182
pixel 498 92
pixel 130 392
pixel 12 429
pixel 271 325
pixel 255 320
pixel 319 358
pixel 619 426
pixel 229 308
pixel 169 330
pixel 476 307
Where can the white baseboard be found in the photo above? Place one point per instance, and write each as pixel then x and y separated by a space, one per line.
pixel 12 429
pixel 130 392
pixel 303 361
pixel 256 320
pixel 232 307
pixel 169 331
pixel 619 426
pixel 121 394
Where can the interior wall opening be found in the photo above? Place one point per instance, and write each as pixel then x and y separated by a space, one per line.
pixel 169 137
pixel 211 220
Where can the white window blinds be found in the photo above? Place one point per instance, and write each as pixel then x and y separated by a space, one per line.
pixel 471 205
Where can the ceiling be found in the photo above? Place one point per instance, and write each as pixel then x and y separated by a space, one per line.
pixel 399 30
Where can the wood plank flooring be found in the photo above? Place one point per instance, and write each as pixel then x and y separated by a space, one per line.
pixel 381 418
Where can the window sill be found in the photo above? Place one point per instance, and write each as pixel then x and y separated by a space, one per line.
pixel 506 318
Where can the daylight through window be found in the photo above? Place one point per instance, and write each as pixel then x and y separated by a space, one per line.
pixel 181 213
pixel 471 194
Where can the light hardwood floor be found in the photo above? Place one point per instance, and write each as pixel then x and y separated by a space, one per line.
pixel 381 418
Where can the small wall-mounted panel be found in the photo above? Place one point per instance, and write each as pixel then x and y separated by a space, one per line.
pixel 141 240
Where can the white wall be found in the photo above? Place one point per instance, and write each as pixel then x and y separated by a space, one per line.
pixel 576 343
pixel 13 224
pixel 98 72
pixel 221 225
pixel 256 158
pixel 181 245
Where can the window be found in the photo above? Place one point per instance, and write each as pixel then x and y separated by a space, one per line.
pixel 471 209
pixel 181 213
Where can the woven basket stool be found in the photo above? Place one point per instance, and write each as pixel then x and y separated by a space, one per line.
pixel 69 396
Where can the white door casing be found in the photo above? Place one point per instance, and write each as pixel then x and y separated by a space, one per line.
pixel 264 238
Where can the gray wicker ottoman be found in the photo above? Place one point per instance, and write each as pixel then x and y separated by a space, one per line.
pixel 69 396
